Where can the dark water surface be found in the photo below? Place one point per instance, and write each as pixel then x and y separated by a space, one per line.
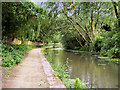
pixel 98 73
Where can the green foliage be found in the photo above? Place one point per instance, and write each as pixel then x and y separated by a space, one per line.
pixel 26 21
pixel 96 45
pixel 111 45
pixel 12 54
pixel 61 71
pixel 107 45
pixel 70 42
pixel 100 16
pixel 85 48
pixel 114 52
pixel 78 84
pixel 53 22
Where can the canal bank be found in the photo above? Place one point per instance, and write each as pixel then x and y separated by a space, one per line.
pixel 52 79
pixel 34 71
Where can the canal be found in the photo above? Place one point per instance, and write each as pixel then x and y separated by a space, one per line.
pixel 96 72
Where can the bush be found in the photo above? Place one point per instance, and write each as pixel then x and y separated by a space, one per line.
pixel 70 42
pixel 116 39
pixel 111 46
pixel 114 52
pixel 85 48
pixel 96 45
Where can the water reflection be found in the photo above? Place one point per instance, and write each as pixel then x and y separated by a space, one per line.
pixel 89 69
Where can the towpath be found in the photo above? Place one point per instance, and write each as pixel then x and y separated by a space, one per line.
pixel 34 71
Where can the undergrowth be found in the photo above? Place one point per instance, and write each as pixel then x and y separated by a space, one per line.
pixel 12 54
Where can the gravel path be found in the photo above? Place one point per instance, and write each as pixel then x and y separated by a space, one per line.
pixel 33 72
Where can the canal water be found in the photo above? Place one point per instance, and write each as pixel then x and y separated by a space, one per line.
pixel 97 73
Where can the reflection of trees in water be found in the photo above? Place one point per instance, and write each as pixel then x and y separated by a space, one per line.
pixel 87 69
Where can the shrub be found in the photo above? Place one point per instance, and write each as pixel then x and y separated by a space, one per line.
pixel 96 45
pixel 114 52
pixel 70 42
pixel 111 46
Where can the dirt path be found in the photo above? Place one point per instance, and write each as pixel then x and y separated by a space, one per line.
pixel 33 72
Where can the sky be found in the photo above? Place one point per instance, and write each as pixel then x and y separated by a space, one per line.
pixel 36 1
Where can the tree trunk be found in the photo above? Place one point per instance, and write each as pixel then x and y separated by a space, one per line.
pixel 79 32
pixel 98 12
pixel 92 23
pixel 71 21
pixel 78 40
pixel 117 11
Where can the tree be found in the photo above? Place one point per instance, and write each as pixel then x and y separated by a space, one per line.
pixel 25 21
pixel 117 10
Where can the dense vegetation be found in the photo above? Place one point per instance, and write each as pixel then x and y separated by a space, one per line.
pixel 87 26
pixel 25 21
pixel 77 25
pixel 12 54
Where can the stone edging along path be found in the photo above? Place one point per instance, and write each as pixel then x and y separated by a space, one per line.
pixel 34 71
pixel 53 80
